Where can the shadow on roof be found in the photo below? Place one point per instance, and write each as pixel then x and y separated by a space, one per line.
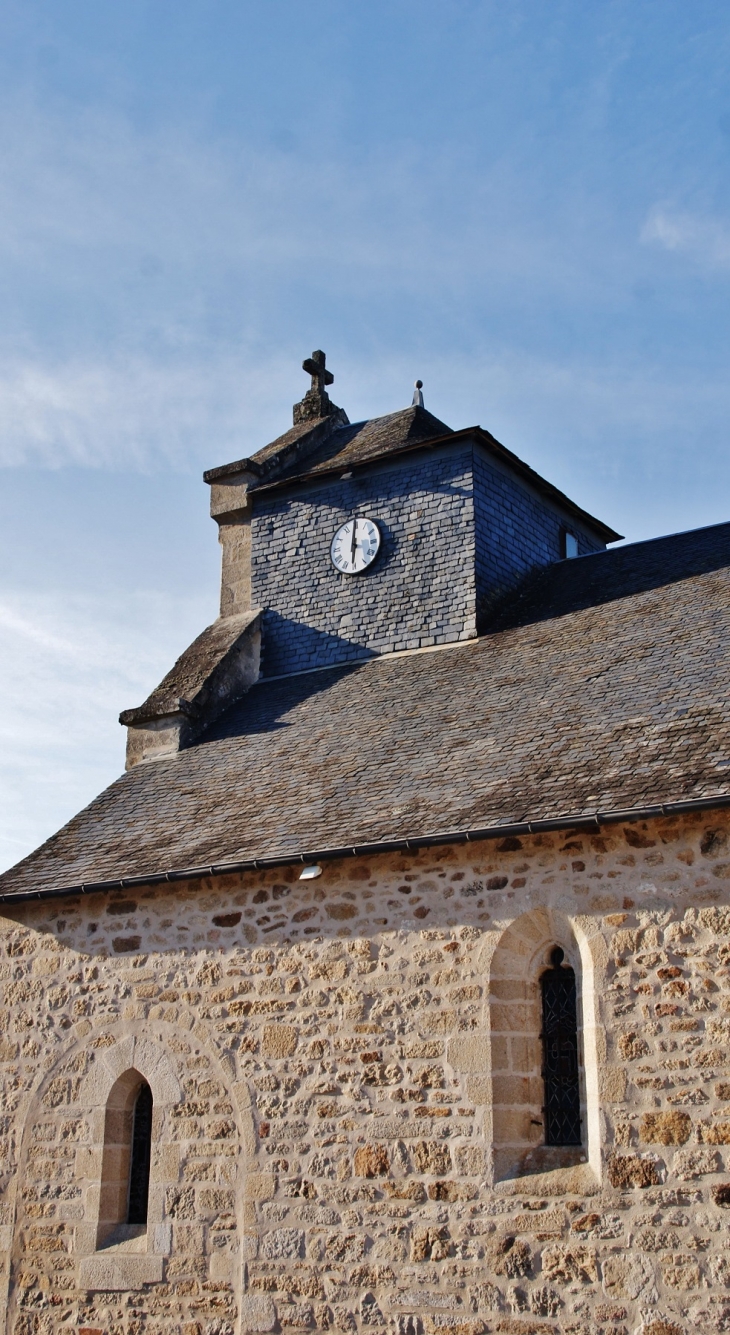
pixel 554 591
pixel 588 581
pixel 265 707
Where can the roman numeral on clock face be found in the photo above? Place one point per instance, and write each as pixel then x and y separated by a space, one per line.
pixel 355 545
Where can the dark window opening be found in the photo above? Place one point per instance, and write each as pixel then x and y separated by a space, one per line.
pixel 560 1053
pixel 139 1165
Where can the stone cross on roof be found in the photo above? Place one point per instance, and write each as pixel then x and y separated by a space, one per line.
pixel 316 401
pixel 315 366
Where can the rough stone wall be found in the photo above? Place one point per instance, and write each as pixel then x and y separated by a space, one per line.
pixel 515 531
pixel 418 592
pixel 327 1060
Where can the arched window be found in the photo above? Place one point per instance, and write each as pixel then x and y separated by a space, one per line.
pixel 560 1062
pixel 139 1167
pixel 125 1174
pixel 543 1044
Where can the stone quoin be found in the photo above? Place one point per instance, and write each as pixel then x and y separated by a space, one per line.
pixel 469 1073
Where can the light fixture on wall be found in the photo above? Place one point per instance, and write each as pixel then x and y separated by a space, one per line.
pixel 310 873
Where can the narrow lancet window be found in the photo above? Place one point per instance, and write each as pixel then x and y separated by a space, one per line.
pixel 560 1053
pixel 139 1160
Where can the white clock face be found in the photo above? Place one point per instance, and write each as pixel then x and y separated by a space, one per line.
pixel 355 546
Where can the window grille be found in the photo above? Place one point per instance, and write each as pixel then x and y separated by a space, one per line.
pixel 560 1053
pixel 139 1167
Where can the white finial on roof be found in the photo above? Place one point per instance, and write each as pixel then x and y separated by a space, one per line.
pixel 417 395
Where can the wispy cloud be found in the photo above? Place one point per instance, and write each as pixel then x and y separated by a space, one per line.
pixel 175 284
pixel 705 240
pixel 160 287
pixel 131 412
pixel 136 414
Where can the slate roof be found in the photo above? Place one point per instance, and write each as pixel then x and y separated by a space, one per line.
pixel 188 678
pixel 327 443
pixel 608 690
pixel 360 442
pixel 569 586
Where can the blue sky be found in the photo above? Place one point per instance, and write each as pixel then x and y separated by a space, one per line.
pixel 525 204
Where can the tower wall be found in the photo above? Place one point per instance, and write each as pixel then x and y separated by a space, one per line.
pixel 419 591
pixel 516 531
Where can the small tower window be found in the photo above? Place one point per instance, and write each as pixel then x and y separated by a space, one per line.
pixel 139 1162
pixel 570 544
pixel 560 1053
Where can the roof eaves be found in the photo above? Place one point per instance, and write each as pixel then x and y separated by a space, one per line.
pixel 540 483
pixel 303 436
pixel 579 820
pixel 433 442
pixel 229 470
pixel 351 465
pixel 195 669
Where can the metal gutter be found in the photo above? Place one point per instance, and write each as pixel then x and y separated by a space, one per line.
pixel 583 821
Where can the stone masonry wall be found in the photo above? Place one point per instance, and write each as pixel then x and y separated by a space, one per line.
pixel 328 1061
pixel 515 531
pixel 419 590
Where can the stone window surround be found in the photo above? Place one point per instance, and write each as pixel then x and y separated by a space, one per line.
pixel 125 1258
pixel 503 1061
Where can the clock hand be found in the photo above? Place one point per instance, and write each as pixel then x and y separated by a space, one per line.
pixel 354 540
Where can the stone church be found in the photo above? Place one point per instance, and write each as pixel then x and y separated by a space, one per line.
pixel 389 987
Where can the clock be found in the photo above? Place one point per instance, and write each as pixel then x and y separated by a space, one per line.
pixel 355 546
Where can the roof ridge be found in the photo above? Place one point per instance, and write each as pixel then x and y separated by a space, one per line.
pixel 659 537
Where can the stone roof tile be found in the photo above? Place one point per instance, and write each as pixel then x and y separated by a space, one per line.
pixel 360 442
pixel 610 692
pixel 322 444
pixel 190 675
